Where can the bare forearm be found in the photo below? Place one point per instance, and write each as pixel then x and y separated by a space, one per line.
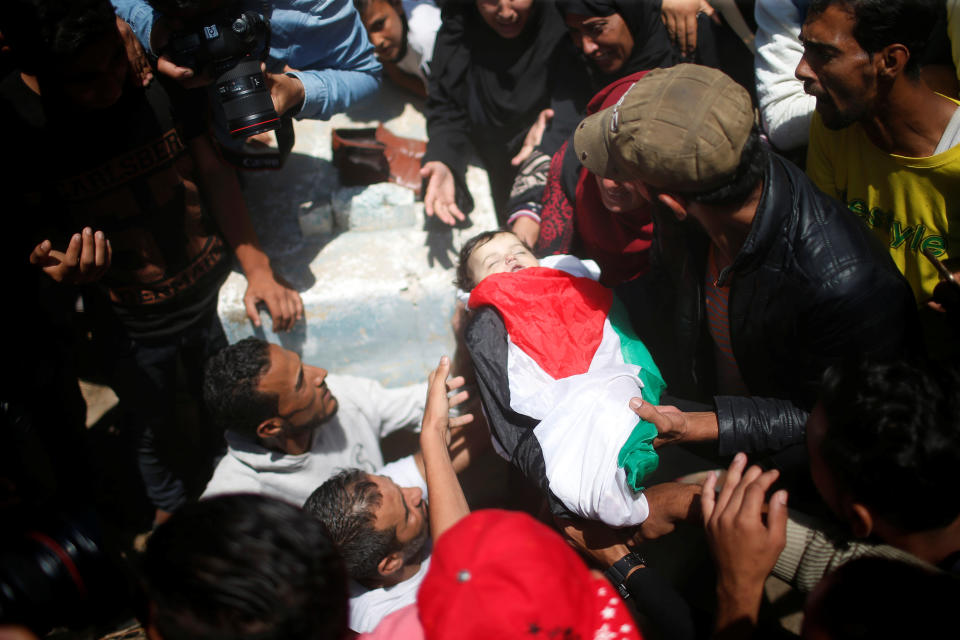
pixel 447 502
pixel 225 202
pixel 737 610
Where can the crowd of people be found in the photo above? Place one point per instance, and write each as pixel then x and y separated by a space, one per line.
pixel 724 228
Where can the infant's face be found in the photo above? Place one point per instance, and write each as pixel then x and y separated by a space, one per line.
pixel 502 253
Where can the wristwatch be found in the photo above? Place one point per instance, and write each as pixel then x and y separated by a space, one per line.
pixel 617 574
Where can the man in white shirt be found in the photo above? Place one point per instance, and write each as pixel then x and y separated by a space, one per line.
pixel 289 426
pixel 380 523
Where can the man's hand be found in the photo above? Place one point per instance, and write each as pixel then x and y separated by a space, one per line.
pixel 135 53
pixel 680 18
pixel 440 197
pixel 744 547
pixel 436 413
pixel 533 137
pixel 670 503
pixel 596 540
pixel 86 259
pixel 283 302
pixel 674 425
pixel 286 91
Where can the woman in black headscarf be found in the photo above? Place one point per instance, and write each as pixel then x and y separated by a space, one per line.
pixel 488 83
pixel 618 37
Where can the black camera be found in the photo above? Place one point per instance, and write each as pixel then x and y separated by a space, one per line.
pixel 222 45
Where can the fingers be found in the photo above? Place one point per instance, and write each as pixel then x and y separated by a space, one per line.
pixel 87 252
pixel 754 493
pixel 169 68
pixel 281 310
pixel 648 412
pixel 459 398
pixel 297 307
pixel 250 302
pixel 734 471
pixel 777 516
pixel 524 153
pixel 440 196
pixel 455 383
pixel 688 42
pixel 459 421
pixel 72 255
pixel 443 369
pixel 41 253
pixel 708 498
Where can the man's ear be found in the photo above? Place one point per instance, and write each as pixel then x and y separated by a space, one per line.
pixel 860 518
pixel 390 563
pixel 891 60
pixel 270 428
pixel 676 204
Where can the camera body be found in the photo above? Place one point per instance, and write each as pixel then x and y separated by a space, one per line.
pixel 222 45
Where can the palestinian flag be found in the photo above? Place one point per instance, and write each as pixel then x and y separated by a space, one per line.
pixel 572 364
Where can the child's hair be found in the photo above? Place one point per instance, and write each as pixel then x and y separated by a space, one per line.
pixel 464 279
pixel 43 34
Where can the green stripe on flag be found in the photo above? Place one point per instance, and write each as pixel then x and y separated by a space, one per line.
pixel 637 456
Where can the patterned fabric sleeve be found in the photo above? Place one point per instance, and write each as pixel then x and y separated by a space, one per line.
pixel 556 224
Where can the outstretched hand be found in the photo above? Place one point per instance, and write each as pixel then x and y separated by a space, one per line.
pixel 440 197
pixel 436 413
pixel 745 547
pixel 86 259
pixel 533 138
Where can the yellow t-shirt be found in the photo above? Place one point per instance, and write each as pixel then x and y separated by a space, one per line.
pixel 909 203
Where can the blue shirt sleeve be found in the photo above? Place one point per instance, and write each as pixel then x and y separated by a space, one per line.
pixel 325 43
pixel 140 16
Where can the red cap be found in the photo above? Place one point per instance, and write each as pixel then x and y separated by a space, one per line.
pixel 502 574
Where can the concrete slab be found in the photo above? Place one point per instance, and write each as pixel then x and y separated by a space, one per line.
pixel 378 302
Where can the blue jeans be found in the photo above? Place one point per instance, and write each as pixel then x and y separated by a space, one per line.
pixel 146 381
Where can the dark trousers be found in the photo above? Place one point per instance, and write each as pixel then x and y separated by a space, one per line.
pixel 146 381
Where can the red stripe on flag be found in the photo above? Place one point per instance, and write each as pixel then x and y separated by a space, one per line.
pixel 554 317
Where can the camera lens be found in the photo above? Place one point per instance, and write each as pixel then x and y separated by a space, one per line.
pixel 246 100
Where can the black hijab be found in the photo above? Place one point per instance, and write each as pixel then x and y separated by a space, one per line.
pixel 651 43
pixel 502 83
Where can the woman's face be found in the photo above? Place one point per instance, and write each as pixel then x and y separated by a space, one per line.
pixel 506 17
pixel 605 40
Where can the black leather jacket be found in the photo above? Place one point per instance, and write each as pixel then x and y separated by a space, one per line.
pixel 810 286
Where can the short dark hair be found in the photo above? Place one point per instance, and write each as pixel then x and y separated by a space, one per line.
pixel 245 566
pixel 750 170
pixel 893 438
pixel 45 34
pixel 230 382
pixel 884 22
pixel 852 601
pixel 464 278
pixel 345 504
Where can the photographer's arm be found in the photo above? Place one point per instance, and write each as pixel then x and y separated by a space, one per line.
pixel 224 200
pixel 339 76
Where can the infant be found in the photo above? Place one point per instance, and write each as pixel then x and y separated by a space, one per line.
pixel 555 355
